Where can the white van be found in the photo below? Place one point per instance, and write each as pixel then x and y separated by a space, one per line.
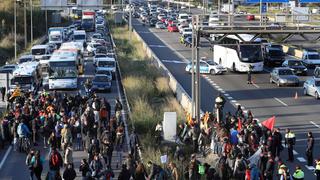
pixel 38 51
pixel 183 17
pixel 79 36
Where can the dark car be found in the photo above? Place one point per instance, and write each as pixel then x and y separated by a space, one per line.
pixel 152 22
pixel 101 82
pixel 274 56
pixel 297 66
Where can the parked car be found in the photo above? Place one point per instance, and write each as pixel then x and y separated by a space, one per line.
pixel 312 87
pixel 283 76
pixel 160 25
pixel 250 17
pixel 296 66
pixel 208 67
pixel 101 83
pixel 173 28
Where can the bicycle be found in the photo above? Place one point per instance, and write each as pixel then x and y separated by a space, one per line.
pixel 25 145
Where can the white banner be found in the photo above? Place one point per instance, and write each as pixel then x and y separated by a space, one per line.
pixel 254 159
pixel 90 4
pixel 170 126
pixel 54 4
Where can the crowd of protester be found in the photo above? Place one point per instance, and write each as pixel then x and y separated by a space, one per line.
pixel 66 123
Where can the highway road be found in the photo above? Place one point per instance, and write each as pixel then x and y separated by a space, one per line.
pixel 12 163
pixel 262 98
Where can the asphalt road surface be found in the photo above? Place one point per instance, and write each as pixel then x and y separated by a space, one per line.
pixel 262 98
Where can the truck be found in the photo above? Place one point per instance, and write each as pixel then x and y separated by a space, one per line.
pixel 311 58
pixel 227 8
pixel 56 35
pixel 88 20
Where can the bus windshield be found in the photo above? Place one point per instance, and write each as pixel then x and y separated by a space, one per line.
pixel 22 80
pixel 65 69
pixel 250 53
pixel 38 51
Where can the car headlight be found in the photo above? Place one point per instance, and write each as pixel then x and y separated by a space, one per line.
pixel 305 69
pixel 283 80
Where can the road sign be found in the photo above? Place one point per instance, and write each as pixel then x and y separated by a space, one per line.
pixel 264 8
pixel 54 4
pixel 92 4
pixel 300 13
pixel 267 1
pixel 309 1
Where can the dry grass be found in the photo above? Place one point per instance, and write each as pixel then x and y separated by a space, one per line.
pixel 148 91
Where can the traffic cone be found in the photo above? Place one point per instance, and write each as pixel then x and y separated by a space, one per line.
pixel 296 95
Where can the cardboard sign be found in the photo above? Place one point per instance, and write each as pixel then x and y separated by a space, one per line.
pixel 170 126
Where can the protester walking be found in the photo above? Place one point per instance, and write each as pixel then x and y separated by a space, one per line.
pixel 29 164
pixel 84 169
pixel 124 173
pixel 290 140
pixel 37 163
pixel 140 172
pixel 309 150
pixel 55 163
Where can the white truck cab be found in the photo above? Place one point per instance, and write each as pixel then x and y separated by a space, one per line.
pixel 311 58
pixel 38 51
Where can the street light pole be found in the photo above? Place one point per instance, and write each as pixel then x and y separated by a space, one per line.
pixel 25 23
pixel 31 21
pixel 197 70
pixel 15 30
pixel 192 65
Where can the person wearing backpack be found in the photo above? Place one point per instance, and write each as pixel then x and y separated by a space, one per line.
pixel 23 132
pixel 155 170
pixel 29 163
pixel 96 166
pixel 239 169
pixel 55 163
pixel 37 163
pixel 69 173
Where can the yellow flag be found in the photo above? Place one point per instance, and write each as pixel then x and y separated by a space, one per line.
pixel 16 93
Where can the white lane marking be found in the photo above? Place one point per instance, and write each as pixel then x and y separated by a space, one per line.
pixel 143 32
pixel 213 84
pixel 295 152
pixel 222 91
pixel 281 102
pixel 216 86
pixel 227 94
pixel 5 156
pixel 310 167
pixel 255 85
pixel 158 46
pixel 219 89
pixel 229 97
pixel 173 61
pixel 301 159
pixel 237 104
pixel 233 101
pixel 315 124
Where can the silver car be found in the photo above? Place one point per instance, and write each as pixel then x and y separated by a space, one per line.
pixel 283 76
pixel 312 87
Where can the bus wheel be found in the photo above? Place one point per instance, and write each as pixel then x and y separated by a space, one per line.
pixel 234 67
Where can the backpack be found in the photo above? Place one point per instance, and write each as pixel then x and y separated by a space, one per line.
pixel 55 160
pixel 201 169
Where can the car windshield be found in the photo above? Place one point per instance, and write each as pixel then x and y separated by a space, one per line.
pixel 212 63
pixel 22 60
pixel 106 64
pixel 64 69
pixel 38 51
pixel 294 63
pixel 250 53
pixel 104 72
pixel 79 37
pixel 313 56
pixel 100 79
pixel 22 80
pixel 276 53
pixel 285 72
pixel 100 56
pixel 187 30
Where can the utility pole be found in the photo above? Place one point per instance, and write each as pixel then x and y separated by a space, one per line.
pixel 31 21
pixel 25 23
pixel 15 29
pixel 130 20
pixel 193 66
pixel 195 77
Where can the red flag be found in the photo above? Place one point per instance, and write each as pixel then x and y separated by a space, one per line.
pixel 239 125
pixel 269 123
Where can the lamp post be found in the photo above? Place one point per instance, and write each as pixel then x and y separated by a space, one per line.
pixel 31 22
pixel 25 23
pixel 219 103
pixel 15 29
